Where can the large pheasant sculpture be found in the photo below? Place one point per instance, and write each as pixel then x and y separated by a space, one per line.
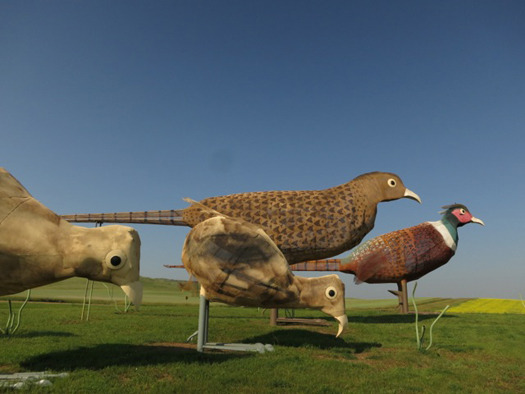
pixel 305 225
pixel 404 255
pixel 37 247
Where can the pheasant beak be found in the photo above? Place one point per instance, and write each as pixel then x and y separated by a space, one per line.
pixel 476 220
pixel 410 194
pixel 134 291
pixel 343 323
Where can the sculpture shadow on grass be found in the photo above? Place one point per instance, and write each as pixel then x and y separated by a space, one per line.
pixel 125 355
pixel 305 338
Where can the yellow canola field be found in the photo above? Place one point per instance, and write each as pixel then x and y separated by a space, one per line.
pixel 489 305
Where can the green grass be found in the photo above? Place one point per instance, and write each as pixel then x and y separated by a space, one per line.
pixel 156 291
pixel 145 351
pixel 166 291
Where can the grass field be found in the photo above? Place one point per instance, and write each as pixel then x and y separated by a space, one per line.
pixel 146 351
pixel 156 291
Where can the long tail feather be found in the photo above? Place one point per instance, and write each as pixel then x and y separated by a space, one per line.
pixel 167 217
pixel 317 265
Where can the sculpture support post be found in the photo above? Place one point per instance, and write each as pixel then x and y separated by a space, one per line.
pixel 202 333
pixel 202 336
pixel 402 296
pixel 274 315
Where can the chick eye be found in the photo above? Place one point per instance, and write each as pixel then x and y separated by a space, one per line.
pixel 116 259
pixel 392 182
pixel 331 293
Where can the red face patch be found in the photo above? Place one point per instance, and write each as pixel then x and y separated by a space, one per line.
pixel 462 214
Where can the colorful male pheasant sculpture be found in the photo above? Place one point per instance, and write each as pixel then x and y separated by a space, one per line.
pixel 236 262
pixel 37 247
pixel 305 225
pixel 404 255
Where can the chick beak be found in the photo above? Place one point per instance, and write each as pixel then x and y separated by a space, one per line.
pixel 343 323
pixel 134 292
pixel 476 220
pixel 410 194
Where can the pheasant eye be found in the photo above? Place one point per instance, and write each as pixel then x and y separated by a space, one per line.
pixel 115 259
pixel 392 182
pixel 331 293
pixel 462 211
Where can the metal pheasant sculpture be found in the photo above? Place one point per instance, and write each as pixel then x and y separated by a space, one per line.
pixel 305 225
pixel 404 255
pixel 236 262
pixel 37 247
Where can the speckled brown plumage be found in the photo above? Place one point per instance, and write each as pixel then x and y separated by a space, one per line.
pixel 310 224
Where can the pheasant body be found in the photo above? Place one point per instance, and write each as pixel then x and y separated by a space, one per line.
pixel 310 224
pixel 409 254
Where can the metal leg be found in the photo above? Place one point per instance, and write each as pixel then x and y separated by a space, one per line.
pixel 202 334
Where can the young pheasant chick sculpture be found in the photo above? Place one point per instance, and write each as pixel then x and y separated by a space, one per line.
pixel 37 247
pixel 237 263
pixel 305 225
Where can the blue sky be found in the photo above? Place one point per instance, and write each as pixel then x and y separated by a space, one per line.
pixel 132 105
